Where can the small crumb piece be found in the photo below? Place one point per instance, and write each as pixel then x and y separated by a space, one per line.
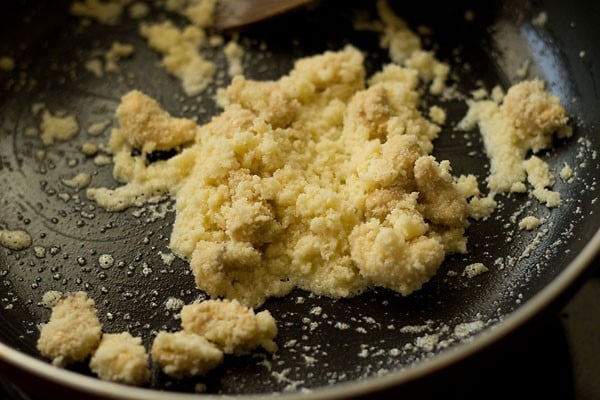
pixel 7 63
pixel 116 52
pixel 145 125
pixel 79 181
pixel 89 149
pixel 73 331
pixel 522 71
pixel 472 270
pixel 174 304
pixel 497 94
pixel 57 128
pixel 530 222
pixel 97 128
pixel 51 298
pixel 234 53
pixel 437 115
pixel 95 67
pixel 232 327
pixel 479 94
pixel 181 56
pixel 184 354
pixel 566 173
pixel 122 358
pixel 15 240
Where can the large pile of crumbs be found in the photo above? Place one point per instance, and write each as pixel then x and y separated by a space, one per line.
pixel 322 180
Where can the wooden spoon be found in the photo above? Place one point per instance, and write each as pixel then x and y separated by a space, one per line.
pixel 231 14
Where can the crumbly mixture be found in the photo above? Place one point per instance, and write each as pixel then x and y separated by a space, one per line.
pixel 116 52
pixel 525 121
pixel 182 354
pixel 405 49
pixel 181 56
pixel 55 128
pixel 530 222
pixel 73 332
pixel 234 328
pixel 79 181
pixel 122 358
pixel 318 180
pixel 199 12
pixel 234 54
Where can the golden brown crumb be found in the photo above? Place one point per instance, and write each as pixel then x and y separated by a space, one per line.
pixel 145 125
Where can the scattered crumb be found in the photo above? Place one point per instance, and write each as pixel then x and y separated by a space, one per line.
pixel 234 328
pixel 89 149
pixel 526 120
pixel 461 331
pixel 116 52
pixel 566 173
pixel 121 358
pixel 97 128
pixel 51 298
pixel 523 70
pixel 234 53
pixel 182 354
pixel 181 56
pixel 437 115
pixel 73 332
pixel 78 182
pixel 472 270
pixel 95 67
pixel 57 128
pixel 530 222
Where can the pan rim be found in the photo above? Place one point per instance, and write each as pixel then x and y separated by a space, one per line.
pixel 512 321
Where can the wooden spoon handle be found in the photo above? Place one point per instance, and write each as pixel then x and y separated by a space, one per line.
pixel 236 13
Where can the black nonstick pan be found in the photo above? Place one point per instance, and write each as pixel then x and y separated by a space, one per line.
pixel 327 348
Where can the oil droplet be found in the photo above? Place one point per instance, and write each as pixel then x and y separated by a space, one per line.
pixel 106 261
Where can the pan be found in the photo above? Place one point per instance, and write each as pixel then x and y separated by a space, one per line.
pixel 328 348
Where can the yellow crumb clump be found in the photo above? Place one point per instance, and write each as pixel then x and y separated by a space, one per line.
pixel 405 49
pixel 317 180
pixel 55 128
pixel 73 332
pixel 523 122
pixel 199 12
pixel 181 54
pixel 530 222
pixel 182 354
pixel 122 358
pixel 234 328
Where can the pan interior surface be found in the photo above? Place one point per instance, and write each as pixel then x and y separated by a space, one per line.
pixel 321 341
